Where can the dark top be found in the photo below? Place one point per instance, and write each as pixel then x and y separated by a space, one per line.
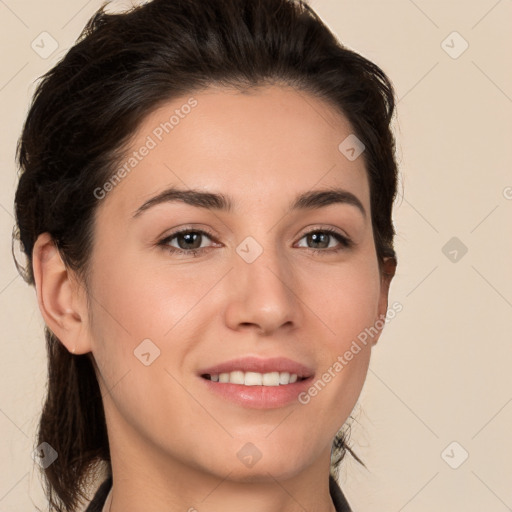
pixel 100 497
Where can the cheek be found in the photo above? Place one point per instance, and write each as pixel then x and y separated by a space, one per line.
pixel 149 315
pixel 346 305
pixel 138 301
pixel 345 300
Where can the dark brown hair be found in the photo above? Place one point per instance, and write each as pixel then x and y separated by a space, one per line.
pixel 87 108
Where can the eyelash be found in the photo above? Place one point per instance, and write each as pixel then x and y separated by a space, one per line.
pixel 345 242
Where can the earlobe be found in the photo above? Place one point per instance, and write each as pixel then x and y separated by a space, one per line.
pixel 59 295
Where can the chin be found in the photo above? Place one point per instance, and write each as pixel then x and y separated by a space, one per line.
pixel 262 473
pixel 249 465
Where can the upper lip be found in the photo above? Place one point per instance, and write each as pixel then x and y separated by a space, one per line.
pixel 259 365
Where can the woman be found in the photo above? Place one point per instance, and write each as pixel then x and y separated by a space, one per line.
pixel 205 204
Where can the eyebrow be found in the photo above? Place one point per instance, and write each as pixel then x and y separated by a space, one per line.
pixel 216 201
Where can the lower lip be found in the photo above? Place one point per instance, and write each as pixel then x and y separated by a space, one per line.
pixel 259 397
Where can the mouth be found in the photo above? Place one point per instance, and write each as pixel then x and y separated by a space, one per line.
pixel 254 378
pixel 257 383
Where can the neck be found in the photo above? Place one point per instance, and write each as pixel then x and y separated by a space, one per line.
pixel 153 484
pixel 280 497
pixel 150 478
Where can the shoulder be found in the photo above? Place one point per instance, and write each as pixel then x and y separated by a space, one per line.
pixel 339 500
pixel 97 503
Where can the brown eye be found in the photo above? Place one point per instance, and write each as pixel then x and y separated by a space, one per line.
pixel 186 241
pixel 189 240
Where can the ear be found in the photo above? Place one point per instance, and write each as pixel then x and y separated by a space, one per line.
pixel 60 295
pixel 388 271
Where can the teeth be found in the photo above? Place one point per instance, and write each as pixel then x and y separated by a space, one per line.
pixel 271 379
pixel 251 379
pixel 284 378
pixel 255 379
pixel 235 377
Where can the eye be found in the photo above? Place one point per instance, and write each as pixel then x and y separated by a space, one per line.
pixel 322 238
pixel 189 241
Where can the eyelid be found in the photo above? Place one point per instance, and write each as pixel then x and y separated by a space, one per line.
pixel 162 240
pixel 344 241
pixel 327 229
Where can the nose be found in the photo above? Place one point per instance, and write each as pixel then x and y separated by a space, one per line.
pixel 263 294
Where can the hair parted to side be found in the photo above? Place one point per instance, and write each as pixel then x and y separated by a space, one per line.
pixel 87 108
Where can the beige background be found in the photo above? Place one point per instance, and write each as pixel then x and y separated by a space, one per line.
pixel 441 372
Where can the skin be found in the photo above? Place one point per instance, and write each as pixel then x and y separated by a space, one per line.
pixel 174 444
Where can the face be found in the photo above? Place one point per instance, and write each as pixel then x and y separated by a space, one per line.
pixel 235 277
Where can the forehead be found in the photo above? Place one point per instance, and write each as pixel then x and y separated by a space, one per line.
pixel 273 142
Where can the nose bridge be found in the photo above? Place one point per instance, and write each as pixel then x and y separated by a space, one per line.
pixel 262 282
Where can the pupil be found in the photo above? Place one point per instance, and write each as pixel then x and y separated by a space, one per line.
pixel 189 238
pixel 315 237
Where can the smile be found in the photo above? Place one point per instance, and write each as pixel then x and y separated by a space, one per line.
pixel 254 378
